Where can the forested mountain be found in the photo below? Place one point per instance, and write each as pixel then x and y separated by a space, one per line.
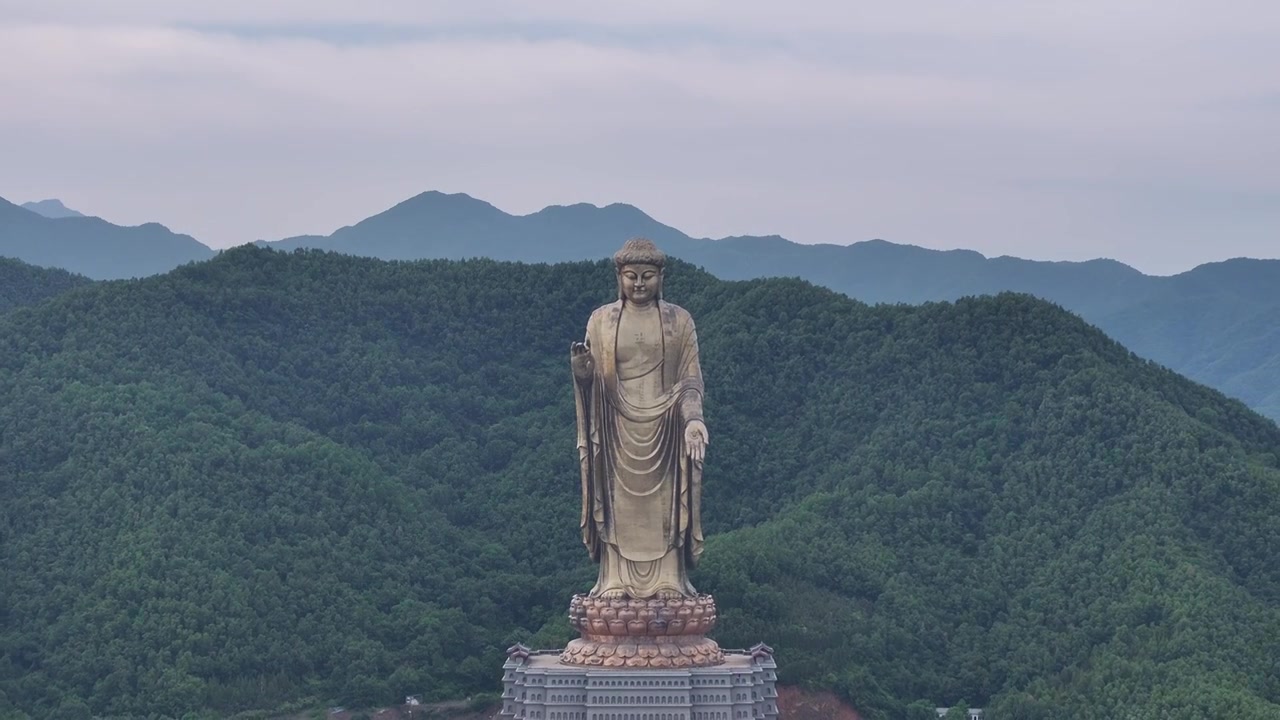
pixel 23 284
pixel 92 246
pixel 1202 323
pixel 271 477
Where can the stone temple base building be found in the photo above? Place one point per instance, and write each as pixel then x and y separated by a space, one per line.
pixel 537 686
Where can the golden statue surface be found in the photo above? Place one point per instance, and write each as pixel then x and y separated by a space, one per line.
pixel 641 442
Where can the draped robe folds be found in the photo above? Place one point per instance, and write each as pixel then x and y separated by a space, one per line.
pixel 641 493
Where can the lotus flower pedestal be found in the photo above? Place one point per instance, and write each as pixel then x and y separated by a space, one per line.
pixel 657 633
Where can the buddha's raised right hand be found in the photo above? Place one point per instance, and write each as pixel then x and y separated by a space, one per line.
pixel 580 360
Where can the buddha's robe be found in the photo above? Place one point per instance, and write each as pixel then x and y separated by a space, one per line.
pixel 641 493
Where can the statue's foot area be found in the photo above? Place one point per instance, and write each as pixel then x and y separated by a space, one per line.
pixel 661 632
pixel 624 595
pixel 656 617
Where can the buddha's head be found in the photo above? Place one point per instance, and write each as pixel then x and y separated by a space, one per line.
pixel 639 265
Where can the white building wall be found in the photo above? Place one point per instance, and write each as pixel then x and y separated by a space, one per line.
pixel 537 687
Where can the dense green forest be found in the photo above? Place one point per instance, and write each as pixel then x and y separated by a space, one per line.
pixel 23 284
pixel 272 479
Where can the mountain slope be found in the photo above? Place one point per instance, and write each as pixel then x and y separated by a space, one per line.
pixel 23 284
pixel 93 247
pixel 1197 323
pixel 269 477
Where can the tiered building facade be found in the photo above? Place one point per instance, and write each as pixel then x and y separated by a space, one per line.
pixel 537 686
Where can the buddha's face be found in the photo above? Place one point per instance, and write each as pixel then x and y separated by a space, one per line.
pixel 641 284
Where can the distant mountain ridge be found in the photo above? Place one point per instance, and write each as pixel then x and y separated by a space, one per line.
pixel 52 208
pixel 92 246
pixel 456 226
pixel 1214 323
pixel 459 226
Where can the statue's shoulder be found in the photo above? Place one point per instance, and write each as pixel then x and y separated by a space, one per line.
pixel 604 311
pixel 677 312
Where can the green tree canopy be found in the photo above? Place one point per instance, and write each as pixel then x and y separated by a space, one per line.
pixel 275 476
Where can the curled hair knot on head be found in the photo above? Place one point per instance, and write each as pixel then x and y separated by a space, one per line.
pixel 639 251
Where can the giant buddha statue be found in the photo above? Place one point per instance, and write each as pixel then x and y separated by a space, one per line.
pixel 641 444
pixel 641 437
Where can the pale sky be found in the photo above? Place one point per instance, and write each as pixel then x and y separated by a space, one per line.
pixel 1142 130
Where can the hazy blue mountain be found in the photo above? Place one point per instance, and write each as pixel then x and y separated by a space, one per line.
pixel 1218 323
pixel 1215 324
pixel 92 246
pixel 437 225
pixel 52 208
pixel 22 284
